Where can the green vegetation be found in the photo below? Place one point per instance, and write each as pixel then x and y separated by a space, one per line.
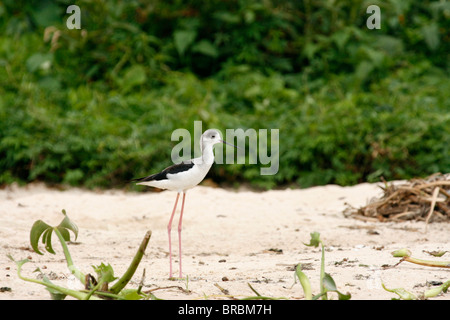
pixel 441 288
pixel 327 283
pixel 107 286
pixel 96 107
pixel 95 288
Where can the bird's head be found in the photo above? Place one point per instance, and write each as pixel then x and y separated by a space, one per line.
pixel 211 137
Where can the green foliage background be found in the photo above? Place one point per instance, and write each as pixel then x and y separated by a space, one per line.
pixel 96 107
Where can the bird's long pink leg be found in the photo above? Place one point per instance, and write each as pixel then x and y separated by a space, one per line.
pixel 169 227
pixel 179 230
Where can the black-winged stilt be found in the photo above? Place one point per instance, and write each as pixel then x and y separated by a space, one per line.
pixel 183 176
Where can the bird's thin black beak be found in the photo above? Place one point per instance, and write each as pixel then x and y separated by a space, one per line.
pixel 223 141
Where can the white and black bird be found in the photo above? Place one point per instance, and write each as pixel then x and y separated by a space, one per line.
pixel 183 176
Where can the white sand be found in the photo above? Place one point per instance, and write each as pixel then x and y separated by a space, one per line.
pixel 227 237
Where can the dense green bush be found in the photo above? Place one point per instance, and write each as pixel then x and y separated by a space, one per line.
pixel 97 106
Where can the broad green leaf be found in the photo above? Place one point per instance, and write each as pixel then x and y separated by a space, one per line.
pixel 330 285
pixel 402 293
pixel 207 48
pixel 341 37
pixel 436 253
pixel 64 233
pixel 363 70
pixel 401 253
pixel 130 294
pixel 105 273
pixel 183 39
pixel 310 50
pixel 65 225
pixel 135 75
pixel 391 46
pixel 229 18
pixel 38 228
pixel 431 35
pixel 304 281
pixel 436 291
pixel 315 240
pixel 39 61
pixel 47 240
pixel 376 56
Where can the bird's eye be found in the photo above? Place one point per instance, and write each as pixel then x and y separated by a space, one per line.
pixel 213 136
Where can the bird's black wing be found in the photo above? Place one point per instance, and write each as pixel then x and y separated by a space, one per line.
pixel 176 168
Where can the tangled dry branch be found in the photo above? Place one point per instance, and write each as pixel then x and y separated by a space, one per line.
pixel 418 199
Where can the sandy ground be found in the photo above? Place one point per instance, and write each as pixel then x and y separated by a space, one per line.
pixel 230 239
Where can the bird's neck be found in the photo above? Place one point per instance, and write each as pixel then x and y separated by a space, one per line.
pixel 208 155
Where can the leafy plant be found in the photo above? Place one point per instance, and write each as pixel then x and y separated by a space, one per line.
pixel 327 284
pixel 405 254
pixel 96 288
pixel 404 294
